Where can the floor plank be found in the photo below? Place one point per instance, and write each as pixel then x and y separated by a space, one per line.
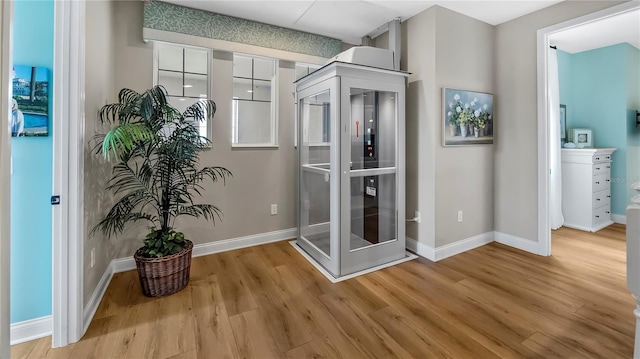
pixel 213 330
pixel 252 336
pixel 269 302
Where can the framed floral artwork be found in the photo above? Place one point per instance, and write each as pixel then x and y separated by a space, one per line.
pixel 467 117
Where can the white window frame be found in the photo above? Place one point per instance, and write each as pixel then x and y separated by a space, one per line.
pixel 156 69
pixel 273 112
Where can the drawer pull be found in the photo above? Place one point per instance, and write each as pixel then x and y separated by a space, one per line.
pixel 608 166
pixel 597 168
pixel 609 196
pixel 597 216
pixel 597 199
pixel 597 158
pixel 608 212
pixel 597 182
pixel 607 157
pixel 608 180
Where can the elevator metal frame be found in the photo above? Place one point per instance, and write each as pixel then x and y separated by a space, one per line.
pixel 339 79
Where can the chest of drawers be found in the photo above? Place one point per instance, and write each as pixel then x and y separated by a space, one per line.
pixel 586 188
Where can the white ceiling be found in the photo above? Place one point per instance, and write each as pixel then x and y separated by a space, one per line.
pixel 350 20
pixel 610 31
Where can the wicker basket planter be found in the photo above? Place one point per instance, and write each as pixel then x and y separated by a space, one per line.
pixel 166 275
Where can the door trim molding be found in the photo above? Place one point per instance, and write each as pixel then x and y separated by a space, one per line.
pixel 6 34
pixel 544 230
pixel 68 167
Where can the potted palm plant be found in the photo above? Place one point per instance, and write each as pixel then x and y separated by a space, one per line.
pixel 155 179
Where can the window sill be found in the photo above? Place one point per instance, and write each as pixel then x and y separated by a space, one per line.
pixel 256 146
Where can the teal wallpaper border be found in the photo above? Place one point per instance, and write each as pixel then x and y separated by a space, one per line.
pixel 174 18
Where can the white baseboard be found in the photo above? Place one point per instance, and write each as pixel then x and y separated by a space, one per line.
pixel 31 329
pixel 619 218
pixel 449 250
pixel 464 245
pixel 123 264
pixel 96 297
pixel 243 242
pixel 420 249
pixel 204 249
pixel 516 242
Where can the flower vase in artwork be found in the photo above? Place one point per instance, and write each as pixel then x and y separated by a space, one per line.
pixel 470 132
pixel 463 130
pixel 476 132
pixel 452 129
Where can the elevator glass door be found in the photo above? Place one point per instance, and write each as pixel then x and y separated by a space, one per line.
pixel 318 177
pixel 369 193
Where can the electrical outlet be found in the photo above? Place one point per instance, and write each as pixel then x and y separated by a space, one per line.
pixel 417 217
pixel 93 257
pixel 459 216
pixel 274 209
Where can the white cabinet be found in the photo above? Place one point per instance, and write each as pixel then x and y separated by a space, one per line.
pixel 586 188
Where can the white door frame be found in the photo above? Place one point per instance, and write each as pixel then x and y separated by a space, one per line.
pixel 6 29
pixel 68 172
pixel 544 229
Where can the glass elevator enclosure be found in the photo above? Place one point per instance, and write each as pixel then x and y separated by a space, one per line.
pixel 351 181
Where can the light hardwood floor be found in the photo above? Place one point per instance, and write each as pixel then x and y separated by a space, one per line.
pixel 268 302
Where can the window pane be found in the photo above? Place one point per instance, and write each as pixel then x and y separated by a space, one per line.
pixel 242 66
pixel 181 104
pixel 172 81
pixel 253 121
pixel 169 57
pixel 263 69
pixel 195 61
pixel 262 90
pixel 195 85
pixel 242 89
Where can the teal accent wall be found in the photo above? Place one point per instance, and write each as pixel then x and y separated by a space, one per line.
pixel 31 181
pixel 564 77
pixel 174 18
pixel 594 86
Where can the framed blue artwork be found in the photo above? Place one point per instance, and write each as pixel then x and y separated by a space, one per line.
pixel 30 102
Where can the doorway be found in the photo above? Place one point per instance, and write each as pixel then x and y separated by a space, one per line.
pixel 68 154
pixel 543 42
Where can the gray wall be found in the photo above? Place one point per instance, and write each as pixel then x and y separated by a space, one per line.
pixel 440 52
pixel 101 31
pixel 516 159
pixel 464 175
pixel 260 176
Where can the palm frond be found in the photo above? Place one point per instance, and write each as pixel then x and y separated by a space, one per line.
pixel 123 138
pixel 158 175
pixel 208 211
pixel 201 110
